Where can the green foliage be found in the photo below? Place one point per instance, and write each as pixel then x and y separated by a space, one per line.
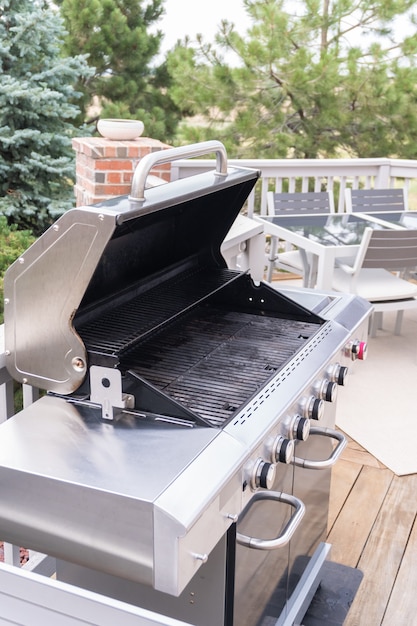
pixel 36 90
pixel 118 39
pixel 13 243
pixel 313 79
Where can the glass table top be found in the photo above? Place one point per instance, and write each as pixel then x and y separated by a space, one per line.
pixel 407 219
pixel 332 229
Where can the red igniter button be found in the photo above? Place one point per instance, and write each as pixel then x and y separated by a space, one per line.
pixel 362 350
pixel 359 350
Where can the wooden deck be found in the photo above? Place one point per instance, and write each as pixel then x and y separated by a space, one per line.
pixel 373 527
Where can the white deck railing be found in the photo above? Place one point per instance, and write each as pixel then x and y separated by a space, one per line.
pixel 311 175
pixel 280 174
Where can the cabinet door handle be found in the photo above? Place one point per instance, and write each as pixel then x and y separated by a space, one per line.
pixel 287 531
pixel 324 432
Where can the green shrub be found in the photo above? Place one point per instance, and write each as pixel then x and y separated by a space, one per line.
pixel 12 243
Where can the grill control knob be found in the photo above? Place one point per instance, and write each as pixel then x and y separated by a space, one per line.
pixel 283 450
pixel 328 390
pixel 313 408
pixel 300 428
pixel 341 375
pixel 263 475
pixel 357 350
pixel 338 373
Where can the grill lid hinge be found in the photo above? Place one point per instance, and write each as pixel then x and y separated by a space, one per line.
pixel 106 391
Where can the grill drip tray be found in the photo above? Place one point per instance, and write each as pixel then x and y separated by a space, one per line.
pixel 213 360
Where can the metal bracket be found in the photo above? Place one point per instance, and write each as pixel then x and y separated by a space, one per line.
pixel 106 391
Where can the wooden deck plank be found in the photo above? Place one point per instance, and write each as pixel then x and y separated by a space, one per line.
pixel 344 475
pixel 379 530
pixel 350 532
pixel 382 556
pixel 403 600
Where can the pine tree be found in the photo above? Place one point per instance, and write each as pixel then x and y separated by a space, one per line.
pixel 122 45
pixel 312 79
pixel 36 95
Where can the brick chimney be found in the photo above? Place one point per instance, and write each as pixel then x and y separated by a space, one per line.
pixel 104 167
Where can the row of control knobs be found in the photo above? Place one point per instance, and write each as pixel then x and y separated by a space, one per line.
pixel 283 448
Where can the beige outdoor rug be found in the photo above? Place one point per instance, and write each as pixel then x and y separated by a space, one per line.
pixel 378 407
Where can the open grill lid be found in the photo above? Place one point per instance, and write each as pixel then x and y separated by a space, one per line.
pixel 93 252
pixel 180 225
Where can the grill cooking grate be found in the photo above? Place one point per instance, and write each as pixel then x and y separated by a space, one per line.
pixel 209 359
pixel 215 360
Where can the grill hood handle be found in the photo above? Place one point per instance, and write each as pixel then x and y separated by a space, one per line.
pixel 137 191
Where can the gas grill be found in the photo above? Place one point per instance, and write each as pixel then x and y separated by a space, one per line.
pixel 184 400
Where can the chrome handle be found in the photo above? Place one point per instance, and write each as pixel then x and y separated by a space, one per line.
pixel 289 528
pixel 137 191
pixel 325 432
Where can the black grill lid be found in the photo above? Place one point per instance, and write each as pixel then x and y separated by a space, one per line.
pixel 180 225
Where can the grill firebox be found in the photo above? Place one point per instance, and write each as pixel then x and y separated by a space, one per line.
pixel 215 360
pixel 208 357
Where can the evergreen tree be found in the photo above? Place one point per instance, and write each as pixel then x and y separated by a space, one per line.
pixel 121 45
pixel 36 86
pixel 312 79
pixel 13 243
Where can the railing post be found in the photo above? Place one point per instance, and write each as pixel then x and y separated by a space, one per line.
pixel 6 396
pixel 30 394
pixel 383 179
pixel 11 554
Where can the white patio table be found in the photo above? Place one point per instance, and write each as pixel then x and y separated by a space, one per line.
pixel 244 246
pixel 326 236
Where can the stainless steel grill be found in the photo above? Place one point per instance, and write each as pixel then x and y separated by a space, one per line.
pixel 181 395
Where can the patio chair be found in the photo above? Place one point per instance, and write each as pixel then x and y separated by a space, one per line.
pixel 381 253
pixel 288 204
pixel 375 200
